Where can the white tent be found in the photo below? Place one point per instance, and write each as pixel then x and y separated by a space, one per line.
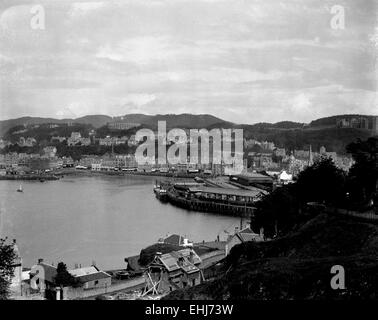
pixel 284 176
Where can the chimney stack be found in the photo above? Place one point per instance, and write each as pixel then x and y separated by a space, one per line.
pixel 40 260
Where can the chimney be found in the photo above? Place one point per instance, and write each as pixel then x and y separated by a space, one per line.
pixel 262 232
pixel 14 241
pixel 191 256
pixel 40 260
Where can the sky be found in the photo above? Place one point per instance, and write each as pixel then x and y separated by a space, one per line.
pixel 244 61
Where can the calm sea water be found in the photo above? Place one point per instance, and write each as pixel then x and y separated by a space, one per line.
pixel 102 219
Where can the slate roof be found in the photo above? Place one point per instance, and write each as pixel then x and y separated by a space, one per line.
pixel 228 191
pixel 169 262
pixel 247 234
pixel 93 276
pixel 186 254
pixel 83 271
pixel 189 260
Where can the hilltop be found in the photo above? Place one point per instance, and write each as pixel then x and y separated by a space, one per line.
pixel 94 120
pixel 184 120
pixel 288 134
pixel 298 265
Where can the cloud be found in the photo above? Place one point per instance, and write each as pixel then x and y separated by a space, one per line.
pixel 79 9
pixel 246 61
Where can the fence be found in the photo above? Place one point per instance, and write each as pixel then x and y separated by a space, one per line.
pixel 79 293
pixel 369 216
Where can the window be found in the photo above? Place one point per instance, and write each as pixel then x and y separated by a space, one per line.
pixel 96 282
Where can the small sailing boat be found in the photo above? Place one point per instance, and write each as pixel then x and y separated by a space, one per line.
pixel 20 189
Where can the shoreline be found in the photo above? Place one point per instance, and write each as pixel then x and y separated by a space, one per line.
pixel 58 174
pixel 27 177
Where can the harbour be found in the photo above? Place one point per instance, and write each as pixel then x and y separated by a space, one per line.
pixel 106 218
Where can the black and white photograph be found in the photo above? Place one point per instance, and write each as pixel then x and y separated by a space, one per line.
pixel 216 151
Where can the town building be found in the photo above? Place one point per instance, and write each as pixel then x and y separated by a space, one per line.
pixel 58 139
pixel 369 123
pixel 171 271
pixel 261 160
pixel 91 277
pixel 279 152
pixel 28 142
pixel 132 141
pixel 110 141
pixel 266 145
pixel 87 278
pixel 248 143
pixel 50 151
pixel 120 125
pixel 244 235
pixel 4 143
pixel 77 139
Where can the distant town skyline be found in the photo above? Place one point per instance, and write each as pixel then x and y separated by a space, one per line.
pixel 242 61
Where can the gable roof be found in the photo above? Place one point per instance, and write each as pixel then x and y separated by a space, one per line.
pixel 93 276
pixel 174 239
pixel 187 257
pixel 247 234
pixel 245 237
pixel 83 271
pixel 246 230
pixel 169 262
pixel 228 191
pixel 187 253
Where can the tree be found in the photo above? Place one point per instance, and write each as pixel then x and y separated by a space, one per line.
pixel 277 212
pixel 63 278
pixel 363 176
pixel 7 257
pixel 282 209
pixel 322 182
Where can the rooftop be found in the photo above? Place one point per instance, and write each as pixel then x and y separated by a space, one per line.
pixel 93 276
pixel 252 175
pixel 83 271
pixel 230 192
pixel 189 260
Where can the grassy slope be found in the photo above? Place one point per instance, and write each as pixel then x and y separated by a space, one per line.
pixel 298 266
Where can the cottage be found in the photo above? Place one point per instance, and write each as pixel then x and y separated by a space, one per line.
pixel 92 277
pixel 171 271
pixel 43 276
pixel 242 236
